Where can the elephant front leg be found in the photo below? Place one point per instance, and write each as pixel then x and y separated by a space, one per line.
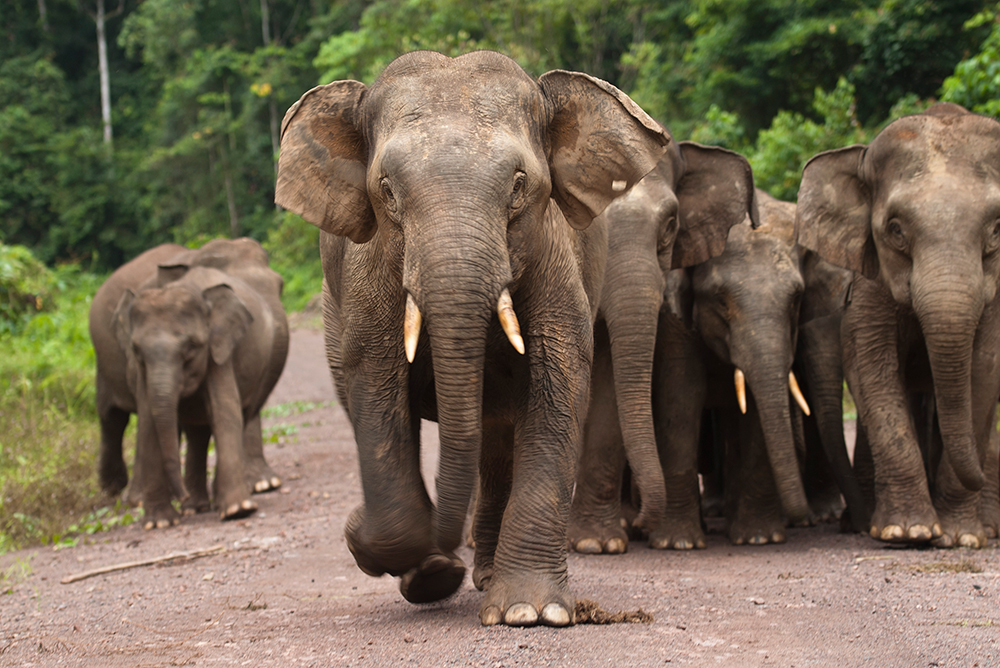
pixel 756 517
pixel 259 474
pixel 902 511
pixel 495 478
pixel 529 583
pixel 232 493
pixel 989 497
pixel 596 514
pixel 195 469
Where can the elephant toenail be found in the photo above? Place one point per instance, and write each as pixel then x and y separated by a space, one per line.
pixel 919 532
pixel 555 615
pixel 275 482
pixel 682 544
pixel 758 540
pixel 616 546
pixel 777 537
pixel 248 505
pixel 162 524
pixel 738 541
pixel 260 486
pixel 700 544
pixel 874 532
pixel 148 525
pixel 521 614
pixel 588 546
pixel 490 616
pixel 892 532
pixel 969 540
pixel 943 541
pixel 936 529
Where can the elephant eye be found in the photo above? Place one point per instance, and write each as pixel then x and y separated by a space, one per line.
pixel 993 241
pixel 894 232
pixel 388 198
pixel 517 190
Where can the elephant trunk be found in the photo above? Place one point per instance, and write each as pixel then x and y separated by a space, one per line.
pixel 949 306
pixel 631 303
pixel 767 376
pixel 456 277
pixel 164 395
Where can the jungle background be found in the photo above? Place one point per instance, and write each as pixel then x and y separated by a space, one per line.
pixel 185 148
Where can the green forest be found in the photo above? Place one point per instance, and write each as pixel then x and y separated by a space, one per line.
pixel 182 143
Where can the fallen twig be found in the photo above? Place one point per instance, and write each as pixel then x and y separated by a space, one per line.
pixel 194 554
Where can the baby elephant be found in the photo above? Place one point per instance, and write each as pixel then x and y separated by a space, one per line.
pixel 191 340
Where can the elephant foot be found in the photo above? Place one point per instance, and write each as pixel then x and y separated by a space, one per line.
pixel 890 523
pixel 194 505
pixel 960 532
pixel 395 552
pixel 757 530
pixel 235 511
pixel 712 505
pixel 827 507
pixel 437 577
pixel 160 517
pixel 262 477
pixel 989 515
pixel 527 599
pixel 676 534
pixel 594 536
pixel 114 479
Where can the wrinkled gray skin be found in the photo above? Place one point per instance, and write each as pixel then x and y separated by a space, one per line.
pixel 434 185
pixel 738 310
pixel 917 215
pixel 190 348
pixel 677 216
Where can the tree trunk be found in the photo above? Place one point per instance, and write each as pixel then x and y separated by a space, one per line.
pixel 43 15
pixel 102 58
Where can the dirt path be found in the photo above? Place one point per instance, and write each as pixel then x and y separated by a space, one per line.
pixel 286 590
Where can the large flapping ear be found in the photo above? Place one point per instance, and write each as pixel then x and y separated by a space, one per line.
pixel 601 143
pixel 121 321
pixel 168 273
pixel 323 161
pixel 228 319
pixel 714 192
pixel 833 216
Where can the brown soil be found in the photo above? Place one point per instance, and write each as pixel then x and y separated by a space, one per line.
pixel 286 591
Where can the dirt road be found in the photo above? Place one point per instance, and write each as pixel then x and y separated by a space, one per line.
pixel 285 590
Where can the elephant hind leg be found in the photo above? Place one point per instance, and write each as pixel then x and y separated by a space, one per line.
pixel 495 479
pixel 755 516
pixel 111 466
pixel 195 469
pixel 260 475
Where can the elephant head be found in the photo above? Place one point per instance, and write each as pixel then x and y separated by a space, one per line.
pixel 446 166
pixel 918 210
pixel 679 215
pixel 747 309
pixel 171 332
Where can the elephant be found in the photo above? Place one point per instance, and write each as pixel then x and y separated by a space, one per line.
pixel 916 215
pixel 188 347
pixel 447 193
pixel 679 215
pixel 732 322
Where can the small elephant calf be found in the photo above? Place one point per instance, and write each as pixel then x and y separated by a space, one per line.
pixel 192 341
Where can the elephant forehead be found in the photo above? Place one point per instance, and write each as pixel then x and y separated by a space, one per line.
pixel 173 303
pixel 917 147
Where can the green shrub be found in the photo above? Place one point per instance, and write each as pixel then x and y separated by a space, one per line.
pixel 26 286
pixel 293 247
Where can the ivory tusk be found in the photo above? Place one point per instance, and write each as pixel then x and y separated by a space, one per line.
pixel 741 390
pixel 793 385
pixel 508 320
pixel 411 328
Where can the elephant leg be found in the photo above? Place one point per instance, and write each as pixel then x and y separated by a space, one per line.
pixel 679 399
pixel 818 478
pixel 595 516
pixel 260 475
pixel 903 512
pixel 154 491
pixel 529 584
pixel 195 469
pixel 232 493
pixel 989 498
pixel 756 517
pixel 495 478
pixel 112 470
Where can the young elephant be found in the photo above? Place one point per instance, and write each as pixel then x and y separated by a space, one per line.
pixel 917 215
pixel 734 318
pixel 188 348
pixel 677 216
pixel 432 188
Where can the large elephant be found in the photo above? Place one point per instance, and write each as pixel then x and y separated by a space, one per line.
pixel 432 188
pixel 916 214
pixel 679 215
pixel 732 324
pixel 192 348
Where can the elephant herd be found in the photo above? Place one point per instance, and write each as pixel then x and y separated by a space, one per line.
pixel 617 334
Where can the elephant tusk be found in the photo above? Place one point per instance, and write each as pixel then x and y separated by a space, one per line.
pixel 508 320
pixel 741 390
pixel 793 385
pixel 411 328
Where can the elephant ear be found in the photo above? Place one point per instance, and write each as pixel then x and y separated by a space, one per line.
pixel 168 273
pixel 323 161
pixel 228 321
pixel 601 143
pixel 714 192
pixel 121 321
pixel 833 217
